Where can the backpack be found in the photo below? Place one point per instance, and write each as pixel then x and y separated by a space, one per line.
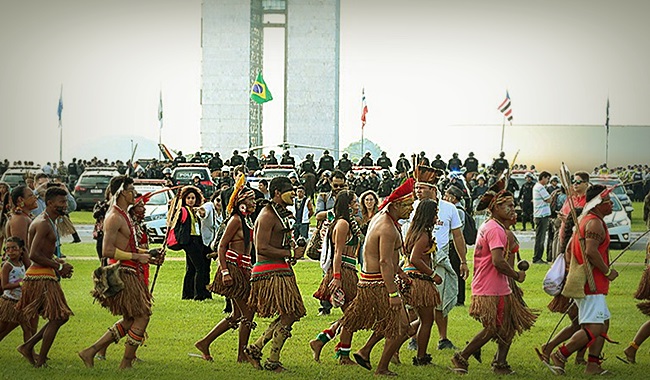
pixel 469 229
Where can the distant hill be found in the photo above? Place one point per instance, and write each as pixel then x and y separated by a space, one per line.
pixel 116 147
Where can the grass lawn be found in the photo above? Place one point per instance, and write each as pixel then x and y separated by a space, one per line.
pixel 177 324
pixel 82 217
pixel 638 225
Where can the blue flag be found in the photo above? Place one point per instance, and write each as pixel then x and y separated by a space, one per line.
pixel 59 109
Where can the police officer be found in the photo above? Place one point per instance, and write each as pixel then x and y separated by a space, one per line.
pixel 344 165
pixel 500 164
pixel 236 159
pixel 454 163
pixel 438 163
pixel 384 162
pixel 366 160
pixel 271 159
pixel 252 162
pixel 403 165
pixel 326 162
pixel 471 163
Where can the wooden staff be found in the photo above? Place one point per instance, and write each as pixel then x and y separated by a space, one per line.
pixel 171 222
pixel 564 178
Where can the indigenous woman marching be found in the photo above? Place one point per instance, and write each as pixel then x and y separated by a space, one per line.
pixel 340 282
pixel 493 303
pixel 232 279
pixel 422 295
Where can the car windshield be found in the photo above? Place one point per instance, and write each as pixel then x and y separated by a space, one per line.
pixel 158 200
pixel 616 204
pixel 13 177
pixel 95 180
pixel 618 190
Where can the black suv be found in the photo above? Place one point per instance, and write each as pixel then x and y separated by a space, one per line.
pixel 91 186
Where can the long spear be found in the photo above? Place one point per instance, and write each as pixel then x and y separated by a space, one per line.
pixel 628 247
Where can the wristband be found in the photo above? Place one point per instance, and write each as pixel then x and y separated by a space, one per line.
pixel 121 255
pixel 225 272
pixel 609 271
pixel 393 294
pixel 60 267
pixel 337 276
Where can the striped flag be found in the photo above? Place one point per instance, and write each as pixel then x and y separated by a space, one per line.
pixel 505 109
pixel 364 108
pixel 59 110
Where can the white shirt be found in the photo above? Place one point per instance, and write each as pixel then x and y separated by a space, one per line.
pixel 448 220
pixel 540 207
pixel 209 223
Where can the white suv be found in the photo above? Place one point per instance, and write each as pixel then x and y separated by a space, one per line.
pixel 155 215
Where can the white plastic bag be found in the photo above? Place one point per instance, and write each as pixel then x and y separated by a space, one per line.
pixel 555 276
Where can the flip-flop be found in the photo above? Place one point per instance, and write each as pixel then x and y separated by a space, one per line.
pixel 543 357
pixel 205 357
pixel 555 369
pixel 625 360
pixel 362 362
pixel 459 371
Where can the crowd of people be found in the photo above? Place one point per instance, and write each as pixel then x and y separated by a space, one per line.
pixel 409 230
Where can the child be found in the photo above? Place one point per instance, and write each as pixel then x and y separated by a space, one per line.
pixel 13 272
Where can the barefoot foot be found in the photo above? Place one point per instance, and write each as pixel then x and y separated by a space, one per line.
pixel 316 347
pixel 28 353
pixel 88 357
pixel 345 360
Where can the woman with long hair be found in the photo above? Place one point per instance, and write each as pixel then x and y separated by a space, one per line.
pixel 197 265
pixel 232 279
pixel 369 202
pixel 422 295
pixel 5 207
pixel 23 202
pixel 340 282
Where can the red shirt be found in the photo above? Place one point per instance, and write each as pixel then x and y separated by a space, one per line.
pixel 602 283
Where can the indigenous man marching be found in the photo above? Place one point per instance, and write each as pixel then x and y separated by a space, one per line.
pixel 378 305
pixel 593 313
pixel 42 294
pixel 500 311
pixel 273 284
pixel 133 302
pixel 233 277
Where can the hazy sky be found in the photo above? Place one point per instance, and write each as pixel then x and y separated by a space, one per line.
pixel 434 73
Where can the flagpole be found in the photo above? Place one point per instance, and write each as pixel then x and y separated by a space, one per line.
pixel 607 135
pixel 503 129
pixel 160 120
pixel 60 114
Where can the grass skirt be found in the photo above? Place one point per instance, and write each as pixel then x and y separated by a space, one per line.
pixel 502 316
pixel 644 307
pixel 559 304
pixel 643 291
pixel 349 282
pixel 65 226
pixel 422 292
pixel 44 297
pixel 276 293
pixel 133 301
pixel 370 310
pixel 8 312
pixel 241 287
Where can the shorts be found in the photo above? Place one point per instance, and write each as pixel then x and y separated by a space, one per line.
pixel 592 309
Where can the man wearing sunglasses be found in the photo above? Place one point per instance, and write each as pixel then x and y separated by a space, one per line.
pixel 325 203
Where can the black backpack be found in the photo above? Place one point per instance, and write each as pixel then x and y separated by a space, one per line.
pixel 469 229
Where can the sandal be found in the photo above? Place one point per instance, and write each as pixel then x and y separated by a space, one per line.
pixel 365 363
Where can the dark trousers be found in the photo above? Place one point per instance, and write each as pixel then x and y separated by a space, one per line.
pixel 455 264
pixel 197 270
pixel 541 226
pixel 549 240
pixel 301 230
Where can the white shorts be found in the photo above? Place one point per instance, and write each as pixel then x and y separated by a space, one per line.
pixel 592 309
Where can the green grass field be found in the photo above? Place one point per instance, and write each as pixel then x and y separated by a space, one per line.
pixel 177 324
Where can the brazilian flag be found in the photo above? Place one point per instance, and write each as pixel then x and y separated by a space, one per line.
pixel 260 93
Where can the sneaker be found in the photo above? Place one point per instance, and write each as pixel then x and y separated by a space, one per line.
pixel 413 344
pixel 323 313
pixel 445 344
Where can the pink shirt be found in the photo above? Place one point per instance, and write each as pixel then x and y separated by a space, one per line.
pixel 487 280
